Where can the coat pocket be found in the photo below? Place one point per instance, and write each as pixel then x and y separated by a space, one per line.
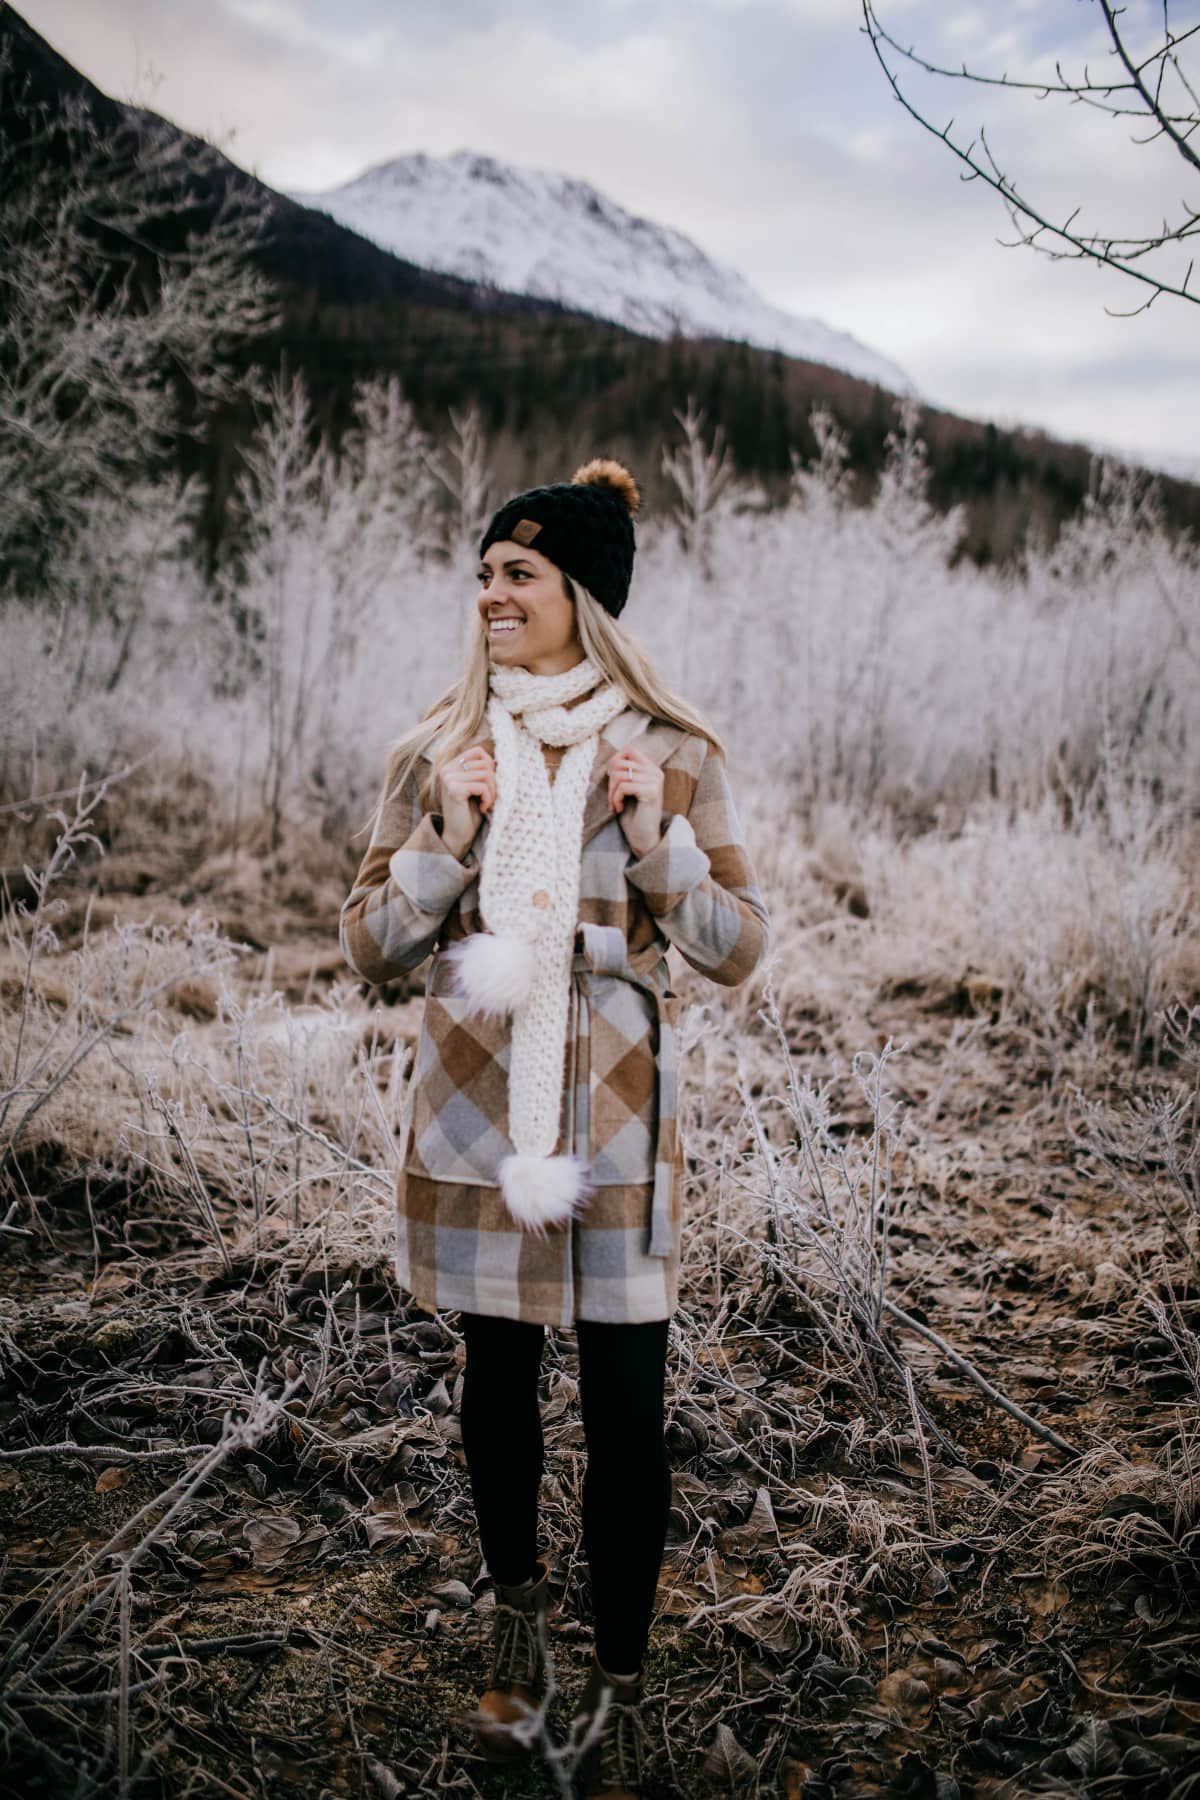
pixel 459 1091
pixel 622 1081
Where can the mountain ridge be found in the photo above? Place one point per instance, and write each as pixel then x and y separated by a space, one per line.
pixel 554 236
pixel 552 385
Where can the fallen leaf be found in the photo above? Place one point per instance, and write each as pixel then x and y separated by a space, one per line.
pixel 108 1479
pixel 1043 1598
pixel 747 1375
pixel 727 1762
pixel 906 1695
pixel 1140 1760
pixel 385 1520
pixel 759 1529
pixel 563 1394
pixel 1146 1610
pixel 762 1516
pixel 307 1545
pixel 453 1593
pixel 735 1576
pixel 270 1538
pixel 769 1630
pixel 1094 1752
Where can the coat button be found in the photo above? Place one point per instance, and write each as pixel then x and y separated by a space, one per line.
pixel 541 899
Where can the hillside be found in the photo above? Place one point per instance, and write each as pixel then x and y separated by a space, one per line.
pixel 549 235
pixel 553 384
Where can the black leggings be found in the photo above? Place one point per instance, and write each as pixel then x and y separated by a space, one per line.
pixel 627 1486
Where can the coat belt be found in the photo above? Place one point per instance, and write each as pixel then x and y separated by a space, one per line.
pixel 604 950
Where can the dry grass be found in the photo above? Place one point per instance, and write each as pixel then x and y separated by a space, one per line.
pixel 942 1217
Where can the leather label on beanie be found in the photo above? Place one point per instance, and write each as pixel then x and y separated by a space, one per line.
pixel 524 531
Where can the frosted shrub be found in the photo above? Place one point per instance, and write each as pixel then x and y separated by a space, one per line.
pixel 138 675
pixel 463 474
pixel 332 576
pixel 1121 601
pixel 98 350
pixel 113 578
pixel 384 489
pixel 69 1004
pixel 816 626
pixel 1044 721
pixel 285 1111
pixel 1056 915
pixel 705 483
pixel 839 643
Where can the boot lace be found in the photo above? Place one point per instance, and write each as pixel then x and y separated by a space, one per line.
pixel 623 1745
pixel 516 1654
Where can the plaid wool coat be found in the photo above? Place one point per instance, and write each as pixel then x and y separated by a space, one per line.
pixel 457 1247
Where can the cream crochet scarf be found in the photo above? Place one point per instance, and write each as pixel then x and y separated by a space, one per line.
pixel 529 898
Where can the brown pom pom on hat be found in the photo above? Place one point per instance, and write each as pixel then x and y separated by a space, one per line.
pixel 585 525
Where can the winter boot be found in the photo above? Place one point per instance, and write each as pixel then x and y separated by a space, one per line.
pixel 518 1678
pixel 613 1767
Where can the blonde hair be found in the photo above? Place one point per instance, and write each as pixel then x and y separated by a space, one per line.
pixel 458 716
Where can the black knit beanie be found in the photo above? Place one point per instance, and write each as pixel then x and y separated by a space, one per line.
pixel 585 525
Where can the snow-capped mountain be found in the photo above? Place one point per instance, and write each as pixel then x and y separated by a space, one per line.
pixel 531 231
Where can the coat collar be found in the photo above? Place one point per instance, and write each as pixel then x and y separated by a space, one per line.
pixel 656 739
pixel 659 741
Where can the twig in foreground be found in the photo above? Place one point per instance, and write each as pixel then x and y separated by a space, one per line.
pixel 106 1453
pixel 1047 1435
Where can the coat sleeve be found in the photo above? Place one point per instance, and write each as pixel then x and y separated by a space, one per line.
pixel 698 883
pixel 407 883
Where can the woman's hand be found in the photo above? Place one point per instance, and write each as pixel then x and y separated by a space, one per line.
pixel 635 793
pixel 468 792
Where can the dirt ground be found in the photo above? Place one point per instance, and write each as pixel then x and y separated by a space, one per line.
pixel 876 1583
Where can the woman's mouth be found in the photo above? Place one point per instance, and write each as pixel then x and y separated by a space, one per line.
pixel 503 627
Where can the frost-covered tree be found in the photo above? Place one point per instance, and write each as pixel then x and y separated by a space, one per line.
pixel 1124 594
pixel 383 463
pixel 824 485
pixel 703 476
pixel 846 645
pixel 462 471
pixel 705 503
pixel 127 295
pixel 109 581
pixel 330 550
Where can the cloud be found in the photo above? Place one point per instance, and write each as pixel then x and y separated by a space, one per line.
pixel 762 128
pixel 358 47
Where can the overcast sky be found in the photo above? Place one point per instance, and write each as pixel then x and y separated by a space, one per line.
pixel 764 129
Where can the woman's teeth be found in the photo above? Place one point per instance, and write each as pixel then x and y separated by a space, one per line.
pixel 499 627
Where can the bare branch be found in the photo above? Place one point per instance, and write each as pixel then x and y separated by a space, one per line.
pixel 1167 123
pixel 1034 227
pixel 128 288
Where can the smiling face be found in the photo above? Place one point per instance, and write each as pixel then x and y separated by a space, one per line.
pixel 528 620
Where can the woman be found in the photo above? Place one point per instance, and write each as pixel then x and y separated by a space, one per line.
pixel 556 821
